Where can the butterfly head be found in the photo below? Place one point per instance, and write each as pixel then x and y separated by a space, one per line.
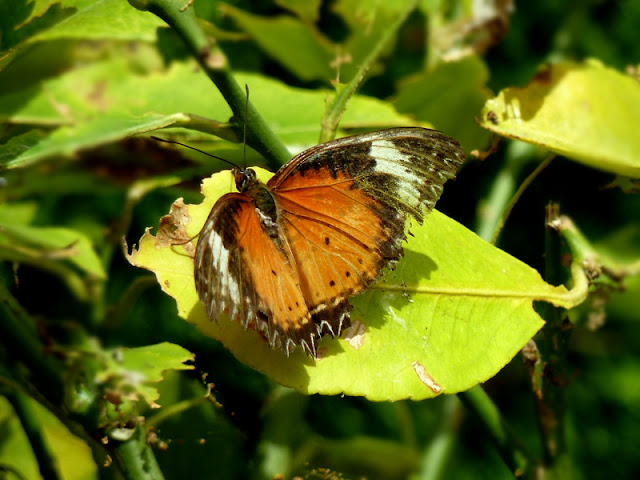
pixel 245 179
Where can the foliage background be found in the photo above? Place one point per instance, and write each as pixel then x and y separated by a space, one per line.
pixel 73 166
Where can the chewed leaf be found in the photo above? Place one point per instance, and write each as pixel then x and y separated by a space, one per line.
pixel 132 371
pixel 451 315
pixel 587 112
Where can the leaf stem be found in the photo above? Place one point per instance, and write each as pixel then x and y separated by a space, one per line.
pixel 31 426
pixel 339 104
pixel 495 207
pixel 507 444
pixel 180 15
pixel 516 196
pixel 177 408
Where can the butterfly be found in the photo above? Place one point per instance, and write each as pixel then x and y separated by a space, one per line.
pixel 284 257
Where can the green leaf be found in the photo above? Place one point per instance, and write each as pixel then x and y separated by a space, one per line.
pixel 131 371
pixel 72 455
pixel 449 97
pixel 101 130
pixel 41 245
pixel 106 102
pixel 21 213
pixel 587 112
pixel 455 310
pixel 307 10
pixel 88 22
pixel 309 60
pixel 46 20
pixel 367 21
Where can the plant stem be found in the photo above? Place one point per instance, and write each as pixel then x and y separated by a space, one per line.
pixel 546 361
pixel 180 15
pixel 506 443
pixel 31 426
pixel 339 104
pixel 135 458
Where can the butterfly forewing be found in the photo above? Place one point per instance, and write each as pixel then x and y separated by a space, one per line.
pixel 339 245
pixel 344 204
pixel 405 168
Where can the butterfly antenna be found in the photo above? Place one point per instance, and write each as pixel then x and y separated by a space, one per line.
pixel 197 150
pixel 244 139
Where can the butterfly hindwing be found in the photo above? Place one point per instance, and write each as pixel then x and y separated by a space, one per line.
pixel 242 272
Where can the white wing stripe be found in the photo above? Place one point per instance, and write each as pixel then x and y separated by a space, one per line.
pixel 390 160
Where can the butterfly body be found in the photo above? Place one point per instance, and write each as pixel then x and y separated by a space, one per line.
pixel 285 256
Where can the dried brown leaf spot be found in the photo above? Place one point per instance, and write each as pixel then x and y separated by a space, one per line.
pixel 172 229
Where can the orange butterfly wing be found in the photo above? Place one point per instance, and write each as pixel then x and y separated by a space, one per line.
pixel 285 257
pixel 241 271
pixel 343 205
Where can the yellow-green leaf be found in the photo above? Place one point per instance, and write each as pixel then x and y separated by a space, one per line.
pixel 452 314
pixel 588 112
pixel 132 371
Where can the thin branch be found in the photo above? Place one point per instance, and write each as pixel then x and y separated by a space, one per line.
pixel 438 452
pixel 501 195
pixel 178 408
pixel 406 424
pixel 136 458
pixel 118 312
pixel 523 186
pixel 180 15
pixel 339 104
